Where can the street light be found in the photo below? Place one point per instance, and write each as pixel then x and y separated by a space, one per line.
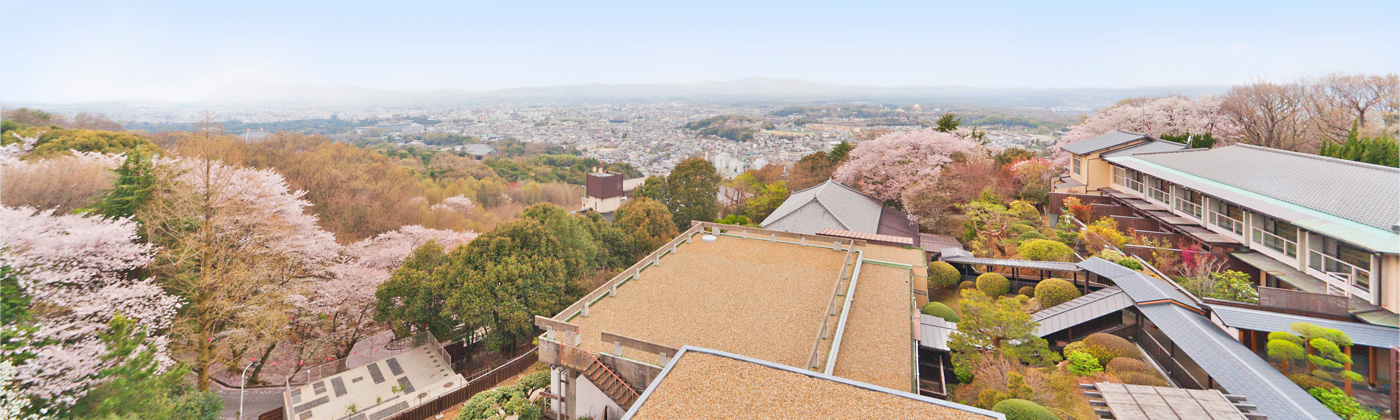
pixel 242 386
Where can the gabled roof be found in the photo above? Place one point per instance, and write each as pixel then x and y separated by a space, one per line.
pixel 1149 147
pixel 855 211
pixel 1140 287
pixel 1257 320
pixel 1079 310
pixel 1356 191
pixel 1233 366
pixel 1350 201
pixel 1103 141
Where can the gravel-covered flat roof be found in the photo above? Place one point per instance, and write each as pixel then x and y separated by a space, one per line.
pixel 879 329
pixel 747 296
pixel 707 384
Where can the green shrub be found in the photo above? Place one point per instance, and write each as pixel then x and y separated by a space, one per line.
pixel 940 310
pixel 1345 407
pixel 1082 364
pixel 1307 381
pixel 1017 409
pixel 1026 291
pixel 1120 365
pixel 1044 250
pixel 943 275
pixel 1110 254
pixel 993 284
pixel 534 381
pixel 1106 347
pixel 1129 262
pixel 1029 236
pixel 1019 228
pixel 967 285
pixel 1051 292
pixel 1143 378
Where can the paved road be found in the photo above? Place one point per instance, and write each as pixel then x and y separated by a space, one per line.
pixel 257 401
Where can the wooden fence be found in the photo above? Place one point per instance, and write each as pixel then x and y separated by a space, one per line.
pixel 476 385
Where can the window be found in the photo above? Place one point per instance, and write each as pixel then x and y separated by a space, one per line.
pixel 1343 259
pixel 1119 176
pixel 1076 165
pixel 1189 202
pixel 1278 236
pixel 1227 215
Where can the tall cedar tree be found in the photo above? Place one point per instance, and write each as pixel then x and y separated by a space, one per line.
pixel 135 182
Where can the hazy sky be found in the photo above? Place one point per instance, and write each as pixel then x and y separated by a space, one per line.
pixel 183 51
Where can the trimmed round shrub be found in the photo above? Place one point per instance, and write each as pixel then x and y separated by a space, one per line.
pixel 1130 263
pixel 993 284
pixel 1111 255
pixel 1029 236
pixel 967 285
pixel 943 275
pixel 1018 409
pixel 1106 347
pixel 1121 365
pixel 1026 291
pixel 1030 223
pixel 1051 292
pixel 1307 381
pixel 1142 378
pixel 1018 228
pixel 1044 250
pixel 940 310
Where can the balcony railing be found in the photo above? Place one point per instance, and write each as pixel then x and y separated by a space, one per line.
pixel 1227 222
pixel 1276 243
pixel 1185 206
pixel 1159 195
pixel 1357 277
pixel 1133 184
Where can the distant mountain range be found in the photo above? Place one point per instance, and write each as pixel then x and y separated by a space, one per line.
pixel 743 89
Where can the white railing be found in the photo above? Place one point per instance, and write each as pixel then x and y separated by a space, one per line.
pixel 1227 222
pixel 1133 184
pixel 1276 243
pixel 1341 270
pixel 1159 195
pixel 1186 206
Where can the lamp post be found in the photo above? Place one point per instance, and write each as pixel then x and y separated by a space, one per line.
pixel 243 384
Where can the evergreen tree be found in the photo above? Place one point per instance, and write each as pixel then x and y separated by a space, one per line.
pixel 948 122
pixel 1380 151
pixel 135 181
pixel 840 152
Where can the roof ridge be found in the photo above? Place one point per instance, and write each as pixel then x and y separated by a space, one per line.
pixel 1330 159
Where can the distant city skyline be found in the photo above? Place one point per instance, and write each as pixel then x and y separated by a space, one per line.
pixel 151 51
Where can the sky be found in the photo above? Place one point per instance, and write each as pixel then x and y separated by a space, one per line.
pixel 87 51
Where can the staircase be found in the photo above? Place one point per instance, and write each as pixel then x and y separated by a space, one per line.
pixel 610 384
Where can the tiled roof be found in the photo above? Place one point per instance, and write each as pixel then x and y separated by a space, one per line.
pixel 1251 319
pixel 1138 286
pixel 1359 192
pixel 1237 369
pixel 1103 141
pixel 1149 147
pixel 1080 310
pixel 853 210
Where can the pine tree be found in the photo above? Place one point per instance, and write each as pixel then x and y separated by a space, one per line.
pixel 135 181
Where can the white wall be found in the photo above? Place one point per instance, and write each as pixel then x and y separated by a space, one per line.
pixel 590 401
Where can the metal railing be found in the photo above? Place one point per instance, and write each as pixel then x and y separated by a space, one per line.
pixel 1276 243
pixel 1341 270
pixel 580 359
pixel 1188 207
pixel 1159 195
pixel 1233 225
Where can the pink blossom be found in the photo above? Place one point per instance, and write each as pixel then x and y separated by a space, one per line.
pixel 886 166
pixel 1174 115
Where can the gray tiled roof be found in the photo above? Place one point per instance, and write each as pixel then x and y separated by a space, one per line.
pixel 1149 147
pixel 1103 141
pixel 1237 369
pixel 1250 319
pixel 1359 192
pixel 1138 286
pixel 851 209
pixel 1081 309
pixel 1038 265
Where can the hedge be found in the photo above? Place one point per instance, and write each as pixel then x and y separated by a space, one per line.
pixel 940 310
pixel 1026 291
pixel 1029 236
pixel 1130 262
pixel 993 284
pixel 1051 292
pixel 1044 250
pixel 942 274
pixel 1018 409
pixel 1120 365
pixel 967 285
pixel 1105 347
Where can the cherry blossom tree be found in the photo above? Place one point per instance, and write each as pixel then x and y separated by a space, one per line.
pixel 890 164
pixel 11 152
pixel 75 271
pixel 238 244
pixel 1173 115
